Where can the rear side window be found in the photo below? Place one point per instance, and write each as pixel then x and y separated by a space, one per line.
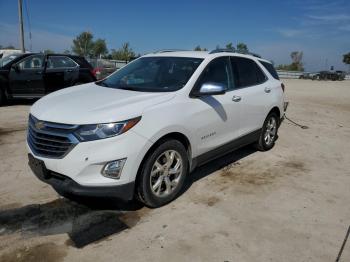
pixel 246 72
pixel 82 62
pixel 269 67
pixel 54 62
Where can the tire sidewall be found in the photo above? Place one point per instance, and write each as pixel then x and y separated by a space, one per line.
pixel 2 97
pixel 262 140
pixel 144 188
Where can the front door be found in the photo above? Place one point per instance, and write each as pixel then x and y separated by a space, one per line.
pixel 216 118
pixel 26 77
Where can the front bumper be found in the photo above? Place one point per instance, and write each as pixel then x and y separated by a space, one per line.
pixel 81 167
pixel 66 186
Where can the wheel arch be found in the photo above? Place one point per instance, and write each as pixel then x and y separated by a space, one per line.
pixel 277 111
pixel 183 139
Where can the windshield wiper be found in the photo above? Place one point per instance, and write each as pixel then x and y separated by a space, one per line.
pixel 101 83
pixel 127 87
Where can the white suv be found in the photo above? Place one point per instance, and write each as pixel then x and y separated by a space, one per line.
pixel 143 129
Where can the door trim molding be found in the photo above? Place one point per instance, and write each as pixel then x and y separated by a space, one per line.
pixel 226 148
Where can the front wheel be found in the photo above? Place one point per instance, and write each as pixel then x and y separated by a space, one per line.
pixel 2 97
pixel 268 134
pixel 163 174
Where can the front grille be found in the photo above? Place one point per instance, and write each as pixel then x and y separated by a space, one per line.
pixel 52 140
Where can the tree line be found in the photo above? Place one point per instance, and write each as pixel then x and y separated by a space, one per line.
pixel 240 48
pixel 85 45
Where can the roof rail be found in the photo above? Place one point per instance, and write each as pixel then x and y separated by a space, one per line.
pixel 222 50
pixel 169 50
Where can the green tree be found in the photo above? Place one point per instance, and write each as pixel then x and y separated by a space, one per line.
pixel 124 53
pixel 7 47
pixel 100 48
pixel 296 64
pixel 230 46
pixel 242 48
pixel 346 59
pixel 48 51
pixel 198 48
pixel 83 44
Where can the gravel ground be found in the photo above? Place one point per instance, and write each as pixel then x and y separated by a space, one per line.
pixel 288 204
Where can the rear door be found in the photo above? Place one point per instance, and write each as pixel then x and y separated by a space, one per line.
pixel 26 77
pixel 253 91
pixel 61 72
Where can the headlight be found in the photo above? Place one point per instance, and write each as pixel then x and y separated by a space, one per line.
pixel 100 131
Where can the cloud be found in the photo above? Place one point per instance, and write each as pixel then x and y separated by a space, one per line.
pixel 290 32
pixel 345 27
pixel 334 18
pixel 319 6
pixel 41 39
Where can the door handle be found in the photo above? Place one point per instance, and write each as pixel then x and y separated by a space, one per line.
pixel 38 72
pixel 69 70
pixel 236 98
pixel 267 89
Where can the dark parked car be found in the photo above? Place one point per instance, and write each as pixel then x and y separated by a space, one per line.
pixel 35 75
pixel 331 75
pixel 312 76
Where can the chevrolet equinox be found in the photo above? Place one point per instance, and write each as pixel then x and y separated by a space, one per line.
pixel 143 129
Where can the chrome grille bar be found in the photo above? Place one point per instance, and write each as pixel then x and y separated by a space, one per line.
pixel 50 140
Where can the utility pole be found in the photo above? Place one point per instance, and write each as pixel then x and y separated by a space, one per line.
pixel 21 32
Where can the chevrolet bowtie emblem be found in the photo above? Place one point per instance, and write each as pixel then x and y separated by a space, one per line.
pixel 39 125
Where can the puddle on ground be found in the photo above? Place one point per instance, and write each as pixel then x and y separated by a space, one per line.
pixel 247 176
pixel 83 224
pixel 42 252
pixel 251 174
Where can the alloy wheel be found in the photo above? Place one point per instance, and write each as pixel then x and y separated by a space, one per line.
pixel 166 173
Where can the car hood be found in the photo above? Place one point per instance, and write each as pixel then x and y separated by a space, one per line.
pixel 92 104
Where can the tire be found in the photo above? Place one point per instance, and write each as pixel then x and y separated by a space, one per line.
pixel 2 97
pixel 263 143
pixel 158 184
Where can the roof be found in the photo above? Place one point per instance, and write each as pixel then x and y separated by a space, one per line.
pixel 200 54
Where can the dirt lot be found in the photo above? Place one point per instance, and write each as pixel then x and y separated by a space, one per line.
pixel 289 204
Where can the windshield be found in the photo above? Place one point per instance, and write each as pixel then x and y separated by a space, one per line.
pixel 154 74
pixel 7 59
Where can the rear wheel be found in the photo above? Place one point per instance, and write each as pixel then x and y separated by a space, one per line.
pixel 268 134
pixel 163 174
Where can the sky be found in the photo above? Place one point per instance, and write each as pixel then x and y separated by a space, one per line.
pixel 271 28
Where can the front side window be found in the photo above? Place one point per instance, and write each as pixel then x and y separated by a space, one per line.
pixel 246 72
pixel 154 74
pixel 218 72
pixel 7 59
pixel 60 62
pixel 32 62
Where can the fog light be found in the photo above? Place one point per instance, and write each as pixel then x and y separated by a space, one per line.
pixel 113 169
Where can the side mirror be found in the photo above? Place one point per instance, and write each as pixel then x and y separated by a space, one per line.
pixel 209 89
